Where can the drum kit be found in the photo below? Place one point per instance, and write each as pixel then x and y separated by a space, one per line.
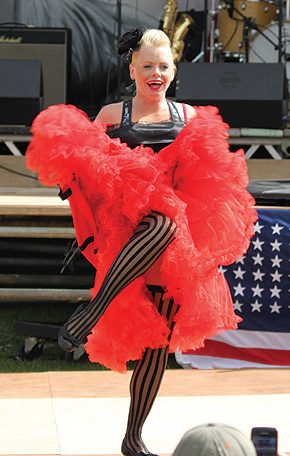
pixel 251 31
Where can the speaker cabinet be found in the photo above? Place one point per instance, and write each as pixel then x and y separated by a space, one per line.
pixel 21 91
pixel 247 94
pixel 52 46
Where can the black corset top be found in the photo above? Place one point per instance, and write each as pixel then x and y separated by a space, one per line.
pixel 155 135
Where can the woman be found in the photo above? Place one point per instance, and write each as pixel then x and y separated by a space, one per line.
pixel 161 223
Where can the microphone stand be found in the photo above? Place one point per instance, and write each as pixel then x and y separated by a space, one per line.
pixel 246 39
pixel 212 29
pixel 250 24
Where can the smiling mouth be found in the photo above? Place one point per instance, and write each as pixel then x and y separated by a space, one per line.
pixel 155 84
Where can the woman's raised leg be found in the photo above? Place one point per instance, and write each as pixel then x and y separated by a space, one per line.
pixel 155 232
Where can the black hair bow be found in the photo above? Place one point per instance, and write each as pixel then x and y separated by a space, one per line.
pixel 129 41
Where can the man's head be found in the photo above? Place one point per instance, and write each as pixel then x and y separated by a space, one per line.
pixel 214 439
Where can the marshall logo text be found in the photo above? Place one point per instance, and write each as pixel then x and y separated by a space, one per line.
pixel 5 39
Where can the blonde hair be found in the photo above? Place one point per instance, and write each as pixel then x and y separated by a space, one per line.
pixel 152 37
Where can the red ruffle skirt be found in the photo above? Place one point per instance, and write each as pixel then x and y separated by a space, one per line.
pixel 196 181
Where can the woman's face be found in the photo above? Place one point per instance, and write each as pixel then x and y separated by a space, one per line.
pixel 153 71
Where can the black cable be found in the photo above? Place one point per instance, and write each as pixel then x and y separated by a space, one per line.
pixel 12 24
pixel 17 172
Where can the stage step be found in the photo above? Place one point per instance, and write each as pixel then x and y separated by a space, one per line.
pixel 44 294
pixel 37 231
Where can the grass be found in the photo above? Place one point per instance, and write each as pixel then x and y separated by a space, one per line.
pixel 52 358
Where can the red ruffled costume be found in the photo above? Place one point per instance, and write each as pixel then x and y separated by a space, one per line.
pixel 196 181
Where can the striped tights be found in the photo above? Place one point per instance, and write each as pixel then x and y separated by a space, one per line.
pixel 147 376
pixel 151 237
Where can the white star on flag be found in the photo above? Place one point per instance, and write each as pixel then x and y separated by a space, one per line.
pixel 275 292
pixel 276 245
pixel 258 259
pixel 256 306
pixel 276 261
pixel 239 290
pixel 275 307
pixel 258 275
pixel 258 227
pixel 238 305
pixel 276 277
pixel 239 274
pixel 276 229
pixel 257 291
pixel 258 244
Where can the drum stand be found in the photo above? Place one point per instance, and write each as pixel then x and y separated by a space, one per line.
pixel 249 24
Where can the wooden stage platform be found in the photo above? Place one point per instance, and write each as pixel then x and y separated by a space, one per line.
pixel 85 413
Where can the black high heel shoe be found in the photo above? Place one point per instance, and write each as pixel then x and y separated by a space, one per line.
pixel 127 452
pixel 65 340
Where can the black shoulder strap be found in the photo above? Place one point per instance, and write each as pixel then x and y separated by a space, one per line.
pixel 173 111
pixel 127 109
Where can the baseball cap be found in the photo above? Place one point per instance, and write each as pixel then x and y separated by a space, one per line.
pixel 214 439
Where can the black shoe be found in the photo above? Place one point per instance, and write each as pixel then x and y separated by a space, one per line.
pixel 127 452
pixel 66 341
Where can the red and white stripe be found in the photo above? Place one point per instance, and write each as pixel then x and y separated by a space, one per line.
pixel 239 349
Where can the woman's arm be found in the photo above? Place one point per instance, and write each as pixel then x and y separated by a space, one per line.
pixel 191 112
pixel 186 111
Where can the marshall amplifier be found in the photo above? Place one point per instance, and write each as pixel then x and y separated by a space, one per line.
pixel 51 46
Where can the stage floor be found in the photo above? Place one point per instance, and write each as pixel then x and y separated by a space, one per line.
pixel 82 413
